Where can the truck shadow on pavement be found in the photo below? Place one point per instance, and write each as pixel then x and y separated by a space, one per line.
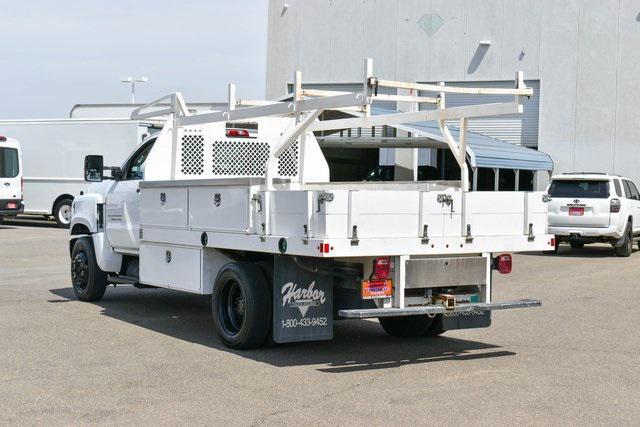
pixel 358 345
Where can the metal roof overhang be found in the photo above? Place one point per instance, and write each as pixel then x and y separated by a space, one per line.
pixel 483 151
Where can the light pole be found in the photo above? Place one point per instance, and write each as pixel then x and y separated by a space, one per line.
pixel 132 81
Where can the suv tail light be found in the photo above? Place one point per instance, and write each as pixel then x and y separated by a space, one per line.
pixel 381 267
pixel 503 263
pixel 614 207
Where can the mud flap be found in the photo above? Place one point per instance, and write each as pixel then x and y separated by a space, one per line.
pixel 302 299
pixel 451 321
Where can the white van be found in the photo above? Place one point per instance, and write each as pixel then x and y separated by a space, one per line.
pixel 53 151
pixel 10 178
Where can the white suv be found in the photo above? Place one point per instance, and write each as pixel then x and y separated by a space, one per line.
pixel 591 207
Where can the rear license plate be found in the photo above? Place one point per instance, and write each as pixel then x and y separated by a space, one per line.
pixel 12 205
pixel 377 289
pixel 576 211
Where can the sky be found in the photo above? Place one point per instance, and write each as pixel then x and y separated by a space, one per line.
pixel 58 53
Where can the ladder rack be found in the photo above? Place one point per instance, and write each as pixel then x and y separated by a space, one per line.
pixel 306 105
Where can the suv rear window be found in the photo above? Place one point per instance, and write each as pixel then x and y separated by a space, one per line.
pixel 579 188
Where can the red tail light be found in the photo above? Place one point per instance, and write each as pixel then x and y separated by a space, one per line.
pixel 503 263
pixel 237 133
pixel 614 207
pixel 381 267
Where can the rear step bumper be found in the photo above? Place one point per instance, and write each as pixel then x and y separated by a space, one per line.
pixel 470 309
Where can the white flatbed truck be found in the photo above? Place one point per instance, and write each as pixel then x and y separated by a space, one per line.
pixel 238 204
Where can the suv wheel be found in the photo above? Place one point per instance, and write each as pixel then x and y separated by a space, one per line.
pixel 627 246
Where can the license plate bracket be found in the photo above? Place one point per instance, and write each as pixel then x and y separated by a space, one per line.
pixel 377 288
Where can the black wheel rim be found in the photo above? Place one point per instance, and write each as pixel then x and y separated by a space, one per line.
pixel 80 271
pixel 232 307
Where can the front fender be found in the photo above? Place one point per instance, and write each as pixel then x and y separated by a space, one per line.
pixel 84 211
pixel 108 260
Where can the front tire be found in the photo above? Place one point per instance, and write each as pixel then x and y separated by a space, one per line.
pixel 62 213
pixel 407 326
pixel 241 306
pixel 89 282
pixel 627 246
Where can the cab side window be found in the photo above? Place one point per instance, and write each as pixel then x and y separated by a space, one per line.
pixel 135 167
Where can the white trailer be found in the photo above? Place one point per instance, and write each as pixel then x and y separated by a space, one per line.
pixel 239 205
pixel 53 153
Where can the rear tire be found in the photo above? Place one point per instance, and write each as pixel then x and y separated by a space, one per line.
pixel 627 246
pixel 62 213
pixel 89 282
pixel 577 245
pixel 241 306
pixel 407 326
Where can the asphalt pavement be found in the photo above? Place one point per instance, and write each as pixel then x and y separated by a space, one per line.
pixel 149 356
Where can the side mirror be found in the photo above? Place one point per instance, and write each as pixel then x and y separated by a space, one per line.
pixel 94 168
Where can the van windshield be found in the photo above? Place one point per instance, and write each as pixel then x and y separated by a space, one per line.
pixel 8 162
pixel 579 188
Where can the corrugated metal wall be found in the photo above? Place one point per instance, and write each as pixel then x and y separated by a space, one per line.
pixel 520 129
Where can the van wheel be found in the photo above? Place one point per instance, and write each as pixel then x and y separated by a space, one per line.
pixel 89 282
pixel 407 326
pixel 62 213
pixel 627 246
pixel 577 245
pixel 241 306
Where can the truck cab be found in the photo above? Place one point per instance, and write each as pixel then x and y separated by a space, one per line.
pixel 594 207
pixel 11 203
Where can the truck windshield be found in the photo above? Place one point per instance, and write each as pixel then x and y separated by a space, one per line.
pixel 579 188
pixel 8 162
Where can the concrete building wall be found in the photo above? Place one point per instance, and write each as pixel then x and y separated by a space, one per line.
pixel 584 52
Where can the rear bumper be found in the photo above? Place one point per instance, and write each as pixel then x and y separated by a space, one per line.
pixel 462 309
pixel 610 231
pixel 10 212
